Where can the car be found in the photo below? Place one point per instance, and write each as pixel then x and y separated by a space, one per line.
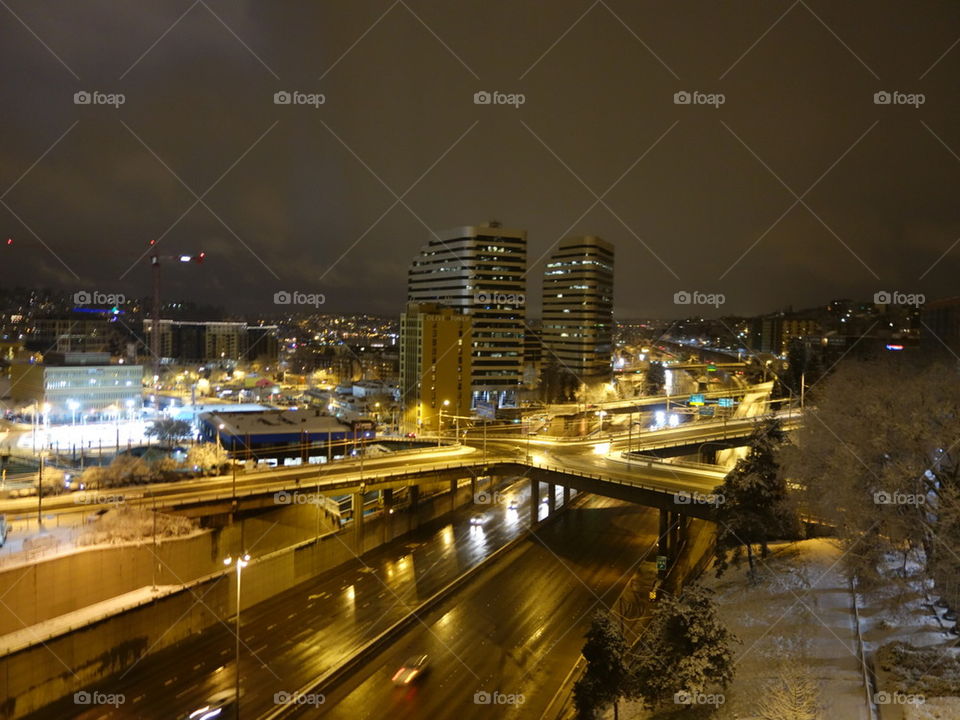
pixel 512 505
pixel 222 706
pixel 477 520
pixel 412 669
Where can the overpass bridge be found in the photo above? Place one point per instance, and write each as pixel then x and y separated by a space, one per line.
pixel 618 466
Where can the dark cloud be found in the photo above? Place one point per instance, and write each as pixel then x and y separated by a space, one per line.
pixel 306 198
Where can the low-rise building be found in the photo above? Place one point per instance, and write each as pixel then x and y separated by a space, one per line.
pixel 284 433
pixel 66 386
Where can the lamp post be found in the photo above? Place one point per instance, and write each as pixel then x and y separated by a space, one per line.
pixel 73 405
pixel 446 403
pixel 240 563
pixel 46 425
pixel 43 456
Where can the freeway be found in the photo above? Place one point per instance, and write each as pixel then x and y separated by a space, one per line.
pixel 677 398
pixel 263 481
pixel 516 629
pixel 643 440
pixel 298 635
pixel 342 473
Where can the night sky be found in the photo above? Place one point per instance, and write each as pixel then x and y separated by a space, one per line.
pixel 798 188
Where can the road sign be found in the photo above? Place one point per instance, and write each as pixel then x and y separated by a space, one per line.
pixel 725 402
pixel 661 562
pixel 697 399
pixel 486 410
pixel 706 411
pixel 711 368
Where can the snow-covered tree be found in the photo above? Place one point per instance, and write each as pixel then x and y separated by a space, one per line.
pixel 755 507
pixel 206 456
pixel 603 683
pixel 168 431
pixel 685 649
pixel 655 378
pixel 877 452
pixel 793 695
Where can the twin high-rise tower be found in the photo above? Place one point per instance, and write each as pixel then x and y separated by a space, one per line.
pixel 479 272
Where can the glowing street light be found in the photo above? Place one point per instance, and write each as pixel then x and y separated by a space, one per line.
pixel 446 403
pixel 73 405
pixel 240 563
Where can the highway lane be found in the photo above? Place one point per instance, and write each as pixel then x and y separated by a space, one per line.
pixel 300 634
pixel 183 491
pixel 516 629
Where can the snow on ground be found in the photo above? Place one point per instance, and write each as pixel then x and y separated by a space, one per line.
pixel 802 610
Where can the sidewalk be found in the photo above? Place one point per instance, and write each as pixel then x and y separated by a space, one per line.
pixel 802 609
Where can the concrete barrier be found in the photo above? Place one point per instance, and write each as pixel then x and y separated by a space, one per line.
pixel 337 674
pixel 61 659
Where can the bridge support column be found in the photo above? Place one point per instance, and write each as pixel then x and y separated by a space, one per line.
pixel 552 498
pixel 386 499
pixel 358 523
pixel 663 541
pixel 453 494
pixel 566 495
pixel 534 500
pixel 676 521
pixel 474 488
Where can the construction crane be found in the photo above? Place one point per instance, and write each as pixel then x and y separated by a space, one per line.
pixel 156 260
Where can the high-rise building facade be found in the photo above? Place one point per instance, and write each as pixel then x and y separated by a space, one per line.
pixel 184 341
pixel 578 308
pixel 435 363
pixel 480 271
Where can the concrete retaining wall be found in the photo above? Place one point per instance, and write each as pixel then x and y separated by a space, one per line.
pixel 35 676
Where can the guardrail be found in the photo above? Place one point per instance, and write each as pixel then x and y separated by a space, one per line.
pixel 350 479
pixel 650 460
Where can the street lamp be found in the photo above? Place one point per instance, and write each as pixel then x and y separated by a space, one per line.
pixel 240 564
pixel 43 455
pixel 73 405
pixel 446 403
